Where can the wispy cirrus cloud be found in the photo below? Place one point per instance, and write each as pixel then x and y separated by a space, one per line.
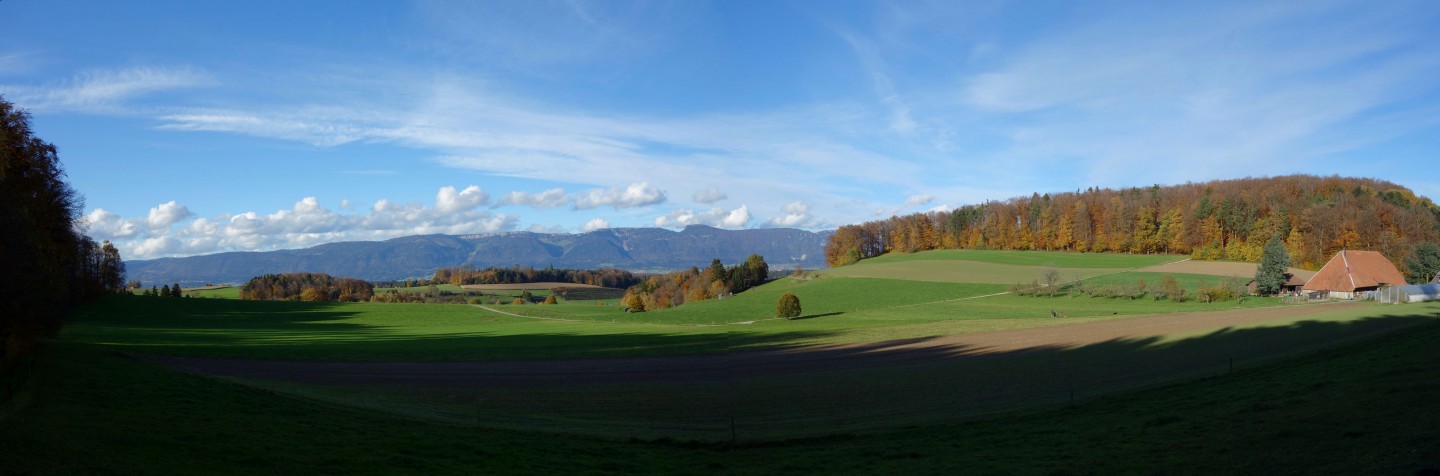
pixel 1210 90
pixel 106 90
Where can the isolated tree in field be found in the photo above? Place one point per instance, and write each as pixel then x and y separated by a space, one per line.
pixel 175 291
pixel 165 291
pixel 518 301
pixel 1270 276
pixel 1050 277
pixel 1170 287
pixel 1423 262
pixel 550 299
pixel 634 301
pixel 788 307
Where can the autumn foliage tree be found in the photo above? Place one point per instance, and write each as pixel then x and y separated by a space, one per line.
pixel 696 284
pixel 788 306
pixel 1223 219
pixel 462 275
pixel 305 287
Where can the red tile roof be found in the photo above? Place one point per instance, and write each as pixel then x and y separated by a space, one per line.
pixel 1351 270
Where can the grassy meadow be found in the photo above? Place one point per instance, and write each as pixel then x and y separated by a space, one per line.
pixel 950 409
pixel 103 412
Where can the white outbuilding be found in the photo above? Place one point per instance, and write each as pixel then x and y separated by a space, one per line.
pixel 1409 293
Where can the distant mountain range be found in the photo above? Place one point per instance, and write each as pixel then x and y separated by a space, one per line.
pixel 635 249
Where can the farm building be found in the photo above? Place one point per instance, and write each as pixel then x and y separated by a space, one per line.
pixel 1410 293
pixel 1354 274
pixel 1292 284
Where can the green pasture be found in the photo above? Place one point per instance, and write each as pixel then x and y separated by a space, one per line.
pixel 998 267
pixel 1363 408
pixel 1190 282
pixel 231 292
pixel 1058 259
pixel 949 385
pixel 958 271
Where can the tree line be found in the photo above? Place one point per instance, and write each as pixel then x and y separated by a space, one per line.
pixel 306 287
pixel 47 264
pixel 696 284
pixel 607 278
pixel 1223 219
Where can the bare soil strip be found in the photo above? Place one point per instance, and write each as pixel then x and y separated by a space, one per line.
pixel 720 367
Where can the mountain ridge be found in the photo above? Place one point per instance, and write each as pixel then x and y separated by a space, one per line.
pixel 634 249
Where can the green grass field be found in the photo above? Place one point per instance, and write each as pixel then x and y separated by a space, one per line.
pixel 1265 417
pixel 1058 259
pixel 1366 408
pixel 231 292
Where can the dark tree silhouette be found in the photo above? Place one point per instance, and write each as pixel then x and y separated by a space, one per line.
pixel 46 264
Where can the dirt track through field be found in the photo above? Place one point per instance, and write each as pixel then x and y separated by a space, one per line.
pixel 748 363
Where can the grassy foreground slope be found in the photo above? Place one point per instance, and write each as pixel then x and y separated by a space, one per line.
pixel 1366 408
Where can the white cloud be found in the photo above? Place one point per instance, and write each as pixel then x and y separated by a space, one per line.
pixel 105 90
pixel 306 223
pixel 167 214
pixel 551 198
pixel 709 195
pixel 103 225
pixel 796 214
pixel 638 194
pixel 915 200
pixel 595 224
pixel 717 217
pixel 449 201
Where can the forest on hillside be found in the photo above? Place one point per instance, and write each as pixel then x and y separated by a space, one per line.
pixel 606 278
pixel 1221 219
pixel 315 287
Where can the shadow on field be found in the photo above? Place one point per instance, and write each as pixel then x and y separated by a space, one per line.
pixel 790 392
pixel 320 331
pixel 813 316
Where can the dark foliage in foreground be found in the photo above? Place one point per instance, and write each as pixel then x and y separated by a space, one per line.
pixel 47 264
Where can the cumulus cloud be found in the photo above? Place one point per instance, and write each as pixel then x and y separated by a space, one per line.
pixel 450 201
pixel 167 214
pixel 638 194
pixel 796 214
pixel 595 224
pixel 306 223
pixel 551 198
pixel 104 225
pixel 717 217
pixel 709 195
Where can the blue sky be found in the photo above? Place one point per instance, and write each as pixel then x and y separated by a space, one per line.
pixel 199 127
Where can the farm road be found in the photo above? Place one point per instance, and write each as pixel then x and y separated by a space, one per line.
pixel 721 367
